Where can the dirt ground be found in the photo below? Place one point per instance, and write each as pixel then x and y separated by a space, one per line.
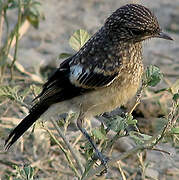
pixel 41 47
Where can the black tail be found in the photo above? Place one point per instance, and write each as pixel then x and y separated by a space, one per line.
pixel 25 124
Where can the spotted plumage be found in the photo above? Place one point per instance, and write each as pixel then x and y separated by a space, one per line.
pixel 104 74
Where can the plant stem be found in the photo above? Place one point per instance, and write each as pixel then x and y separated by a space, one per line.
pixel 93 172
pixel 1 24
pixel 64 151
pixel 17 36
pixel 68 145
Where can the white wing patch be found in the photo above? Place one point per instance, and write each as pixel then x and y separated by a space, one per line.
pixel 83 77
pixel 77 72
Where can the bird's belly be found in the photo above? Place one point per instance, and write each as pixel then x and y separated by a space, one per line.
pixel 109 98
pixel 99 101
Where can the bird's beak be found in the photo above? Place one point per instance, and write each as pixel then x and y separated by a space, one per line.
pixel 164 36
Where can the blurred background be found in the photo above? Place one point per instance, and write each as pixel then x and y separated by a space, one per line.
pixel 64 17
pixel 39 49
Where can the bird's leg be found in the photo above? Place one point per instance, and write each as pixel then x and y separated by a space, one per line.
pixel 100 156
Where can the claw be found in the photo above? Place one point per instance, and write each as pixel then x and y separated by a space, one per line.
pixel 103 160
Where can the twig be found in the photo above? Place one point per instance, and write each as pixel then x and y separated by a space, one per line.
pixel 17 36
pixel 64 151
pixel 22 104
pixel 149 145
pixel 11 41
pixel 172 118
pixel 22 30
pixel 1 24
pixel 34 77
pixel 8 163
pixel 77 139
pixel 142 165
pixel 68 145
pixel 92 171
pixel 121 171
pixel 138 99
pixel 131 152
pixel 160 150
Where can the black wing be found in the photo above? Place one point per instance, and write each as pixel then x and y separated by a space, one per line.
pixel 70 81
pixel 95 66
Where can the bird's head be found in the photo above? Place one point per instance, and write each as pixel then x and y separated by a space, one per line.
pixel 134 22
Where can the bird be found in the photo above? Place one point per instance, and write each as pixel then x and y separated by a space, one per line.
pixel 103 75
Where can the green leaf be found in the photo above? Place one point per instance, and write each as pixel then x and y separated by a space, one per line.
pixel 88 150
pixel 25 92
pixel 29 172
pixel 12 4
pixel 88 166
pixel 176 97
pixel 34 14
pixel 97 133
pixel 139 138
pixel 78 39
pixel 88 146
pixel 152 75
pixel 103 129
pixel 116 123
pixel 34 20
pixel 64 55
pixel 130 120
pixel 11 93
pixel 175 130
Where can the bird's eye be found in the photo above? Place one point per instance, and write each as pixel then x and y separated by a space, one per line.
pixel 136 32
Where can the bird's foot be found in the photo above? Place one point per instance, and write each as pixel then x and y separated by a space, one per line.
pixel 103 160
